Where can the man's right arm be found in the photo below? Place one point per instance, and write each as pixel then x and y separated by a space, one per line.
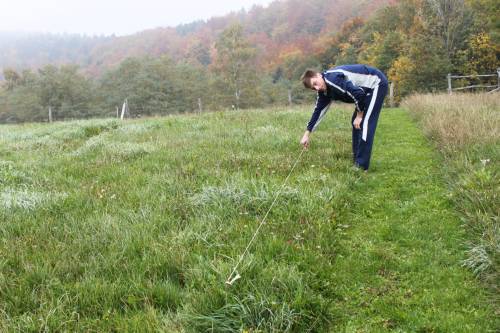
pixel 322 104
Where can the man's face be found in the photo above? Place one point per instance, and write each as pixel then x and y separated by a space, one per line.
pixel 318 83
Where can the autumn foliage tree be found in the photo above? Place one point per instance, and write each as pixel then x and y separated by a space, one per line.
pixel 235 65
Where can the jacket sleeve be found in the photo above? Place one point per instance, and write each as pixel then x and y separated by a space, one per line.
pixel 339 82
pixel 322 105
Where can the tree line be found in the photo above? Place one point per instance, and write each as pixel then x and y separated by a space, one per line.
pixel 152 86
pixel 415 42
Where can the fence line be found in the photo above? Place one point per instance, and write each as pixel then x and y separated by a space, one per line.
pixel 449 77
pixel 473 75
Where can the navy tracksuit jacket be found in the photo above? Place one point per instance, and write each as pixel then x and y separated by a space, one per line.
pixel 362 85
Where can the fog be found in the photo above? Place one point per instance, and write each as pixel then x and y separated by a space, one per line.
pixel 106 17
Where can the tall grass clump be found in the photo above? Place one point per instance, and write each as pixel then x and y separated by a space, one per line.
pixel 466 129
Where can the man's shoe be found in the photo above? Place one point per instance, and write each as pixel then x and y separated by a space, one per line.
pixel 357 168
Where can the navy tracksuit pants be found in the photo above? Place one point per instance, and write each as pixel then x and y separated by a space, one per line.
pixel 362 139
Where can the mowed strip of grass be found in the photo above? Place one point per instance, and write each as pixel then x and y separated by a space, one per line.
pixel 469 146
pixel 399 266
pixel 135 226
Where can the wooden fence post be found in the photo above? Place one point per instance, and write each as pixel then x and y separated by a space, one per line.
pixel 449 84
pixel 391 94
pixel 237 94
pixel 50 114
pixel 498 73
pixel 200 109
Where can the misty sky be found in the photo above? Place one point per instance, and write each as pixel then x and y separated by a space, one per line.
pixel 121 17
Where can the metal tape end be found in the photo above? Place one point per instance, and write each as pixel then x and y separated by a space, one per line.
pixel 233 280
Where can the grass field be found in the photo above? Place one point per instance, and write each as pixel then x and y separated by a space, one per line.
pixel 134 226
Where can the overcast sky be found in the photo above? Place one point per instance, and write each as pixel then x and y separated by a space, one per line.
pixel 121 17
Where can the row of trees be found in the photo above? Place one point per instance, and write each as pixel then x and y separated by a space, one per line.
pixel 152 86
pixel 27 95
pixel 416 42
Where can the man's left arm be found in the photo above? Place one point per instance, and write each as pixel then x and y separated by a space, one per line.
pixel 320 109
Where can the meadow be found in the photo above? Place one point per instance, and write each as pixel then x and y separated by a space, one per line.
pixel 134 226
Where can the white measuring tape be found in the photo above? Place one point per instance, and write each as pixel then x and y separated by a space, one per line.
pixel 234 276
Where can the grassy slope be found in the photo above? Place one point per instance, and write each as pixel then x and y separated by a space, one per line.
pixel 135 227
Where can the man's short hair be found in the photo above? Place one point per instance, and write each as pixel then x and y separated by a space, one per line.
pixel 307 76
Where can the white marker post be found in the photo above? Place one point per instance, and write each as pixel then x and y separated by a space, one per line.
pixel 124 109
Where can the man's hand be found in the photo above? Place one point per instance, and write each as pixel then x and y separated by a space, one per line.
pixel 357 121
pixel 305 140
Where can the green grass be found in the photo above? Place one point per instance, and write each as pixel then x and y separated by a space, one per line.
pixel 135 226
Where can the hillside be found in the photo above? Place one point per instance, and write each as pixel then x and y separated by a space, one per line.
pixel 281 26
pixel 135 226
pixel 253 59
